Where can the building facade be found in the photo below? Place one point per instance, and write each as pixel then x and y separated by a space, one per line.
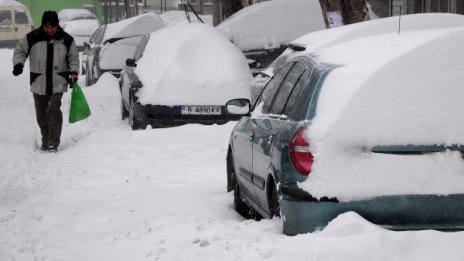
pixel 385 8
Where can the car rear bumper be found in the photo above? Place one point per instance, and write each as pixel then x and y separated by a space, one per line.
pixel 164 116
pixel 405 212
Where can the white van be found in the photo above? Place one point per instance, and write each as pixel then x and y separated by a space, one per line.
pixel 15 22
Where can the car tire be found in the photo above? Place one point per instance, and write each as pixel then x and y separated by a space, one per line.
pixel 239 205
pixel 133 122
pixel 124 111
pixel 274 207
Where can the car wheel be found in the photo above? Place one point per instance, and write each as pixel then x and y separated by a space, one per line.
pixel 124 111
pixel 133 122
pixel 240 206
pixel 274 206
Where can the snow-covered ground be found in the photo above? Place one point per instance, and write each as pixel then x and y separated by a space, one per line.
pixel 111 193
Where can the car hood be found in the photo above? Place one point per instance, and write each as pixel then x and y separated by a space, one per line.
pixel 181 65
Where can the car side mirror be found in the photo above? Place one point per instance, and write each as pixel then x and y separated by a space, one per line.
pixel 131 62
pixel 238 107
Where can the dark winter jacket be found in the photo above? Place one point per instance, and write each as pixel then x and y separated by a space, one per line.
pixel 52 59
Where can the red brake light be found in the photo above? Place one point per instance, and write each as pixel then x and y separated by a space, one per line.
pixel 300 154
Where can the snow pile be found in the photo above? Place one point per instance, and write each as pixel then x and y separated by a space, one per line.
pixel 191 64
pixel 270 24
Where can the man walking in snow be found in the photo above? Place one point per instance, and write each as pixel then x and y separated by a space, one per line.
pixel 54 61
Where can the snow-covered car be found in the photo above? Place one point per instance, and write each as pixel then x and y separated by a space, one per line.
pixel 351 32
pixel 187 73
pixel 81 30
pixel 73 14
pixel 370 124
pixel 108 44
pixel 262 30
pixel 90 48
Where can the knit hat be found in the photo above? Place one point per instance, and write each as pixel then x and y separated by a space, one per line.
pixel 50 17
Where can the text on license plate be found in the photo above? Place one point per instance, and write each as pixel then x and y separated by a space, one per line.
pixel 201 110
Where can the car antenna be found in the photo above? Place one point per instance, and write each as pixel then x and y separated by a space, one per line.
pixel 399 22
pixel 188 6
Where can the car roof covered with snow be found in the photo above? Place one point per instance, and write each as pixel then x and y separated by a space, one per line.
pixel 270 24
pixel 319 39
pixel 182 61
pixel 81 27
pixel 65 15
pixel 134 26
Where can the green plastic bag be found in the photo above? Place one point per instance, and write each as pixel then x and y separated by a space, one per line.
pixel 79 108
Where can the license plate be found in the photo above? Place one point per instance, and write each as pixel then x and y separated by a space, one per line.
pixel 201 110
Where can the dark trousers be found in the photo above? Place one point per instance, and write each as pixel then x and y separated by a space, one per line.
pixel 49 117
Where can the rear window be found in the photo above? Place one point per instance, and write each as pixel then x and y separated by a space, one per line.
pixel 267 96
pixel 21 17
pixel 5 17
pixel 286 88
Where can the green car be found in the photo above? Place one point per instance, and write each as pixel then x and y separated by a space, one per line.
pixel 331 134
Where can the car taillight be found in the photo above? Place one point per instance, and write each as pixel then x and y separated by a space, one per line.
pixel 300 154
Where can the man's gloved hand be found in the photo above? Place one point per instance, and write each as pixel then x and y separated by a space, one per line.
pixel 73 78
pixel 18 69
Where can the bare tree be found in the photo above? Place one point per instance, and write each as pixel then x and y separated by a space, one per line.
pixel 225 8
pixel 341 12
pixel 127 8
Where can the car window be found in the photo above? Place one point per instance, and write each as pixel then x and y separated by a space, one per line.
pixel 285 89
pixel 5 17
pixel 296 92
pixel 93 38
pixel 141 48
pixel 271 88
pixel 100 35
pixel 309 90
pixel 21 17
